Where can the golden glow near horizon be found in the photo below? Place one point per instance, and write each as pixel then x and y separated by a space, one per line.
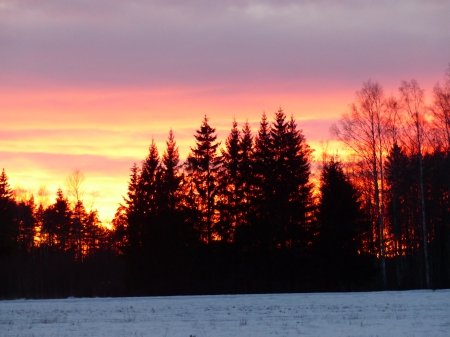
pixel 87 85
pixel 51 135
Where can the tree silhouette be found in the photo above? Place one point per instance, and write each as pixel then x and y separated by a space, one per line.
pixel 57 224
pixel 363 130
pixel 204 165
pixel 230 186
pixel 8 233
pixel 342 228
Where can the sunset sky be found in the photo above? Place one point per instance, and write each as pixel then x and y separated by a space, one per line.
pixel 86 84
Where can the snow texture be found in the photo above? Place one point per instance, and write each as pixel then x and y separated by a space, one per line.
pixel 408 313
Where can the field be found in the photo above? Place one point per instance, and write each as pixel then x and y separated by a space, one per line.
pixel 408 313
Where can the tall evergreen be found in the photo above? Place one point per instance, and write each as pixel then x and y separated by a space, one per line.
pixel 171 176
pixel 204 164
pixel 342 229
pixel 132 211
pixel 298 165
pixel 149 180
pixel 261 186
pixel 282 189
pixel 398 185
pixel 245 178
pixel 26 221
pixel 8 232
pixel 57 224
pixel 230 185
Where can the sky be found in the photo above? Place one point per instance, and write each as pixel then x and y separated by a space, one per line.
pixel 85 85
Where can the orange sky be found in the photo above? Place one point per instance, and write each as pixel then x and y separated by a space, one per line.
pixel 47 135
pixel 86 85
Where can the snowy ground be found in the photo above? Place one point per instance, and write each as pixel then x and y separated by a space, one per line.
pixel 409 313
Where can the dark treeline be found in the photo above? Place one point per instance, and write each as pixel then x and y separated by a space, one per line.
pixel 246 217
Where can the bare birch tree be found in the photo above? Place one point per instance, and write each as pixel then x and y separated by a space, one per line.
pixel 76 190
pixel 363 130
pixel 441 112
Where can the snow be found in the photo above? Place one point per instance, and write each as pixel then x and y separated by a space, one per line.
pixel 408 313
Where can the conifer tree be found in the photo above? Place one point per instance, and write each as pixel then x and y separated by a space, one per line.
pixel 245 178
pixel 398 185
pixel 57 224
pixel 281 189
pixel 341 226
pixel 149 180
pixel 26 220
pixel 8 234
pixel 291 191
pixel 230 185
pixel 204 165
pixel 174 231
pixel 260 182
pixel 171 176
pixel 132 211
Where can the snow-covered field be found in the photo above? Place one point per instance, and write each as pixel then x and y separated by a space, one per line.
pixel 409 313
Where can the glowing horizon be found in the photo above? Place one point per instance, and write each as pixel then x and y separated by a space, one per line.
pixel 86 85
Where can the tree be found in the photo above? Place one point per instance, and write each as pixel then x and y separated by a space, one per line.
pixel 26 221
pixel 283 191
pixel 149 180
pixel 342 227
pixel 230 185
pixel 76 189
pixel 204 164
pixel 75 186
pixel 57 224
pixel 441 112
pixel 416 126
pixel 245 178
pixel 261 163
pixel 363 130
pixel 398 185
pixel 171 176
pixel 131 212
pixel 8 233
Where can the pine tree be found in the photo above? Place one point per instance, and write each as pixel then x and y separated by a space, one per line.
pixel 341 227
pixel 230 186
pixel 204 165
pixel 291 190
pixel 171 177
pixel 26 220
pixel 131 212
pixel 298 186
pixel 398 176
pixel 282 192
pixel 57 224
pixel 245 177
pixel 8 233
pixel 175 231
pixel 150 178
pixel 260 182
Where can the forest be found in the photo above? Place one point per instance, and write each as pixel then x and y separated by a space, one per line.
pixel 246 216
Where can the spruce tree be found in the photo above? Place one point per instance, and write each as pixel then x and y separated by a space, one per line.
pixel 132 211
pixel 8 232
pixel 149 181
pixel 171 176
pixel 230 186
pixel 342 227
pixel 245 177
pixel 282 189
pixel 204 164
pixel 57 224
pixel 398 174
pixel 260 182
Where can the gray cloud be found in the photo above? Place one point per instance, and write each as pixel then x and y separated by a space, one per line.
pixel 237 43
